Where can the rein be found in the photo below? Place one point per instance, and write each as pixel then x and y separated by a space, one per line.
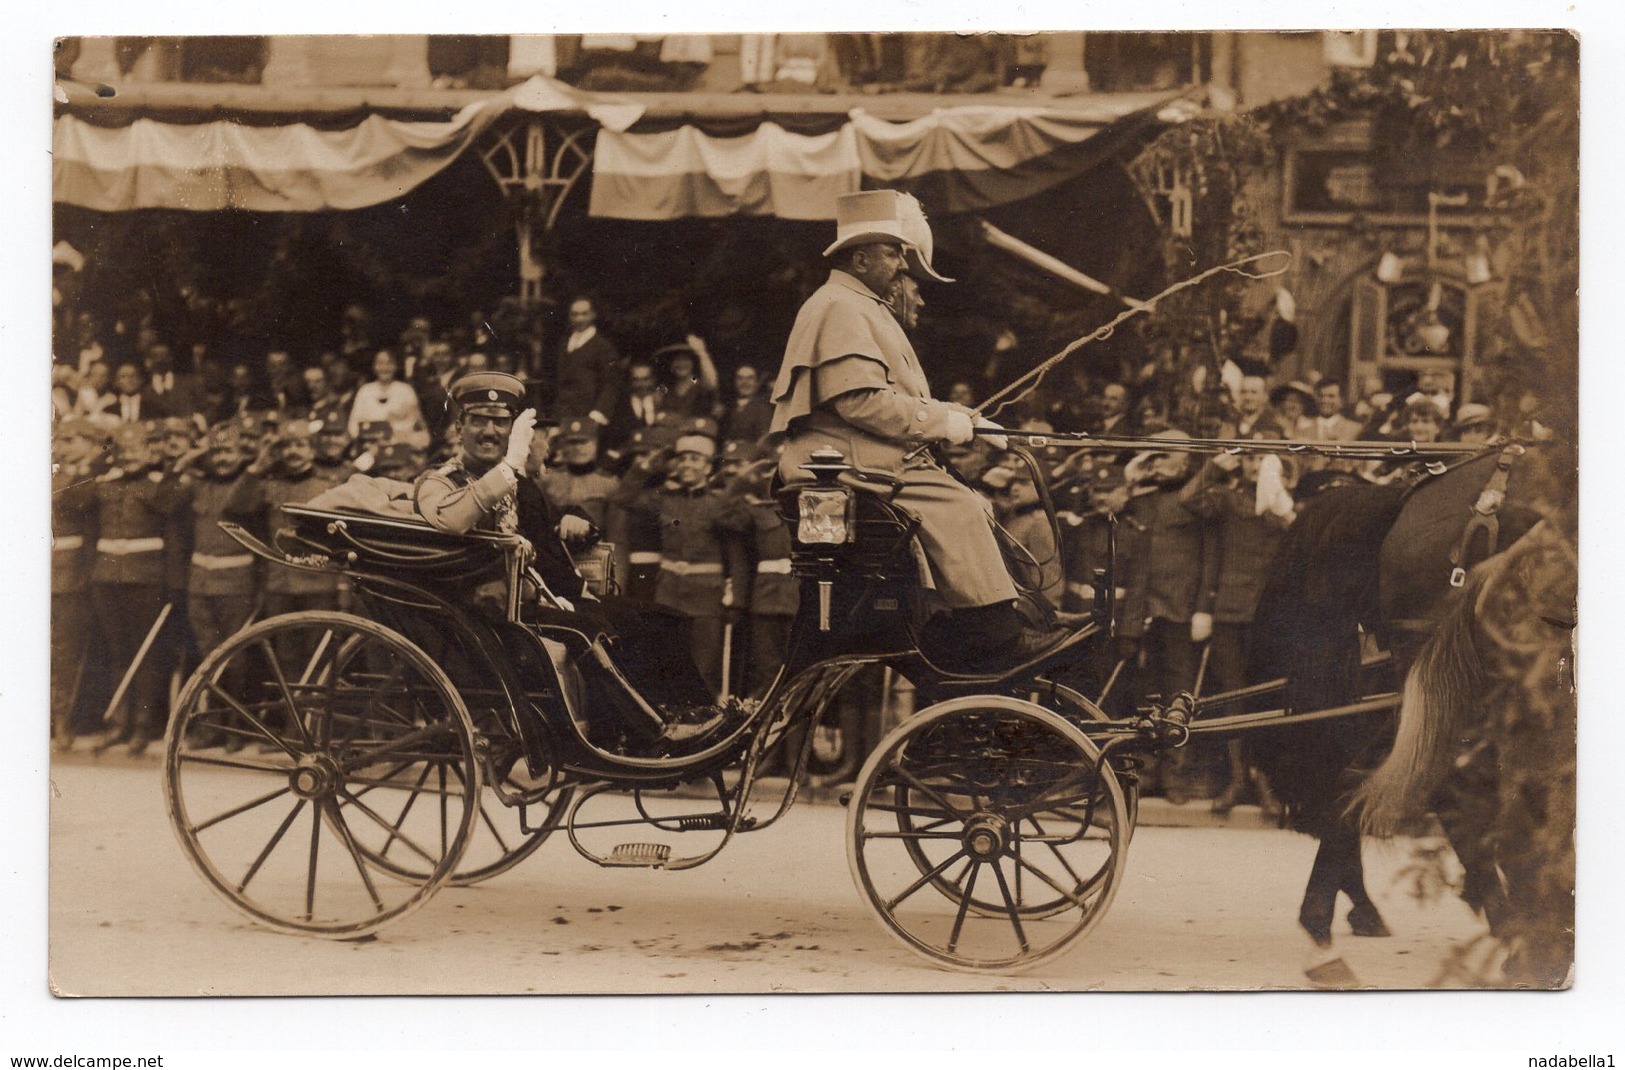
pixel 1485 516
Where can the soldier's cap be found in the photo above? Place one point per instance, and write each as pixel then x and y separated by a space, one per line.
pixel 329 428
pixel 650 439
pixel 579 429
pixel 699 425
pixel 1106 477
pixel 224 437
pixel 395 455
pixel 692 443
pixel 743 451
pixel 489 394
pixel 291 430
pixel 376 430
pixel 178 425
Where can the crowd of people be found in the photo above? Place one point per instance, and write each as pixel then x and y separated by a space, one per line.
pixel 671 470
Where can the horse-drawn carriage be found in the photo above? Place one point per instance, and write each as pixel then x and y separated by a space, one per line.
pixel 422 741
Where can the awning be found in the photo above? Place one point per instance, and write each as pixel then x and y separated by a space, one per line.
pixel 959 159
pixel 288 167
pixel 683 172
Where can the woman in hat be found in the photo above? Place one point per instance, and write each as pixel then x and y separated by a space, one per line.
pixel 691 379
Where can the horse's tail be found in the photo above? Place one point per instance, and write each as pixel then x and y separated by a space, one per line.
pixel 1446 677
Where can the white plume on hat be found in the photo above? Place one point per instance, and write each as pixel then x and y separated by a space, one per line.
pixel 918 235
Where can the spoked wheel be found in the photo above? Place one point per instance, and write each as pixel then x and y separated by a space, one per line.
pixel 345 744
pixel 986 834
pixel 499 840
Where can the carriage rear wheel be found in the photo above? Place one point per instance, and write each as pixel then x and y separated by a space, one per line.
pixel 304 749
pixel 986 834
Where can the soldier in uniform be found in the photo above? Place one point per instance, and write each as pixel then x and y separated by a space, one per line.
pixel 636 534
pixel 579 484
pixel 701 562
pixel 769 604
pixel 221 585
pixel 485 488
pixel 1246 502
pixel 135 512
pixel 76 449
pixel 286 473
pixel 851 381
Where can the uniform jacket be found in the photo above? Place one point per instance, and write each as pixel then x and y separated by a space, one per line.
pixel 588 492
pixel 219 565
pixel 1245 542
pixel 850 380
pixel 452 498
pixel 694 532
pixel 141 506
pixel 773 591
pixel 253 497
pixel 73 531
pixel 1173 562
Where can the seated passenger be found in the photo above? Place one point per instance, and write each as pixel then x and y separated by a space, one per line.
pixel 485 488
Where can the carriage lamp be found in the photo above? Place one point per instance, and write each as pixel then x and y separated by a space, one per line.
pixel 825 516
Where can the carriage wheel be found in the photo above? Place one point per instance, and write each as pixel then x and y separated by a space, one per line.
pixel 498 841
pixel 1024 833
pixel 355 746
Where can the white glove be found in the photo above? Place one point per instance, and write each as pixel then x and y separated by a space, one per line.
pixel 524 429
pixel 1201 627
pixel 998 442
pixel 1270 487
pixel 1226 462
pixel 960 428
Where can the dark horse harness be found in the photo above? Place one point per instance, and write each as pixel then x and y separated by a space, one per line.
pixel 1485 517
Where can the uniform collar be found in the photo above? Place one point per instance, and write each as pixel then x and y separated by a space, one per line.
pixel 851 282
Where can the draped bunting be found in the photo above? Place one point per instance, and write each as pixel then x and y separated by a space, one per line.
pixel 957 159
pixel 293 167
pixel 683 172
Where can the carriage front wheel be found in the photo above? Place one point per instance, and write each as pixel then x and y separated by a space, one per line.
pixel 986 834
pixel 305 748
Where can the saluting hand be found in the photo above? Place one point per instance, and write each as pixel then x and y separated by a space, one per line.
pixel 524 429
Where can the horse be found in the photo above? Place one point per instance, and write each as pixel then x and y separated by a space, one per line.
pixel 1486 739
pixel 1364 564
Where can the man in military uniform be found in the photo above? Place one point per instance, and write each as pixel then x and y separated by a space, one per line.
pixel 486 488
pixel 851 380
pixel 75 451
pixel 701 562
pixel 635 534
pixel 135 512
pixel 579 484
pixel 769 604
pixel 221 584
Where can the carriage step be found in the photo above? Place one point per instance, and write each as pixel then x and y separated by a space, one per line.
pixel 652 855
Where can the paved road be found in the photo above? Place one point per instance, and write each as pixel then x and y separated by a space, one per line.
pixel 776 912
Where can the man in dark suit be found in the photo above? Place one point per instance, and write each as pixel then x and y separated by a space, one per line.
pixel 750 415
pixel 587 374
pixel 133 398
pixel 640 405
pixel 1115 417
pixel 180 393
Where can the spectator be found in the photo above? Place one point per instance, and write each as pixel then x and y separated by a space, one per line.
pixel 133 400
pixel 245 395
pixel 642 403
pixel 287 384
pixel 324 405
pixel 1329 424
pixel 340 379
pixel 355 336
pixel 587 374
pixel 1438 385
pixel 181 393
pixel 635 533
pixel 691 379
pixel 1115 417
pixel 95 392
pixel 750 415
pixel 1293 402
pixel 75 450
pixel 1252 411
pixel 1474 425
pixel 388 399
pixel 962 393
pixel 1038 567
pixel 434 387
